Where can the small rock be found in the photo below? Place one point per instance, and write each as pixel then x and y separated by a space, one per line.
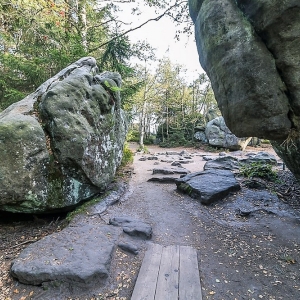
pixel 176 164
pixel 132 226
pixel 143 158
pixel 164 179
pixel 208 157
pixel 152 158
pixel 261 157
pixel 254 184
pixel 129 248
pixel 170 171
pixel 172 153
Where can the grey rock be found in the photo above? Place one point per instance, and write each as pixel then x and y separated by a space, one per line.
pixel 133 227
pixel 208 157
pixel 212 114
pixel 184 153
pixel 129 248
pixel 176 164
pixel 163 179
pixel 63 143
pixel 261 157
pixel 208 186
pixel 288 151
pixel 200 136
pixel 170 171
pixel 143 158
pixel 218 134
pixel 172 153
pixel 112 198
pixel 182 161
pixel 152 158
pixel 237 43
pixel 77 255
pixel 223 163
pixel 167 160
pixel 222 154
pixel 255 184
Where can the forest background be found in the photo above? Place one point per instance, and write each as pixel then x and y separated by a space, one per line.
pixel 38 38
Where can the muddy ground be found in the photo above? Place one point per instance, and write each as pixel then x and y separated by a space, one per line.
pixel 255 256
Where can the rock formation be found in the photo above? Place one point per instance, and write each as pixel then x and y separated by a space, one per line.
pixel 63 143
pixel 250 51
pixel 218 134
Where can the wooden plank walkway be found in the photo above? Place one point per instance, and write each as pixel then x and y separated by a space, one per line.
pixel 168 273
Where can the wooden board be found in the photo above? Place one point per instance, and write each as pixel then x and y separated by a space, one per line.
pixel 189 280
pixel 167 283
pixel 168 273
pixel 145 286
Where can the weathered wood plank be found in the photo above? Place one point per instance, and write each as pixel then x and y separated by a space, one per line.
pixel 189 280
pixel 167 283
pixel 145 285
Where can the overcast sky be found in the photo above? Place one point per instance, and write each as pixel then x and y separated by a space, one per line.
pixel 161 35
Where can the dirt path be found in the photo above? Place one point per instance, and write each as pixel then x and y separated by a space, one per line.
pixel 239 258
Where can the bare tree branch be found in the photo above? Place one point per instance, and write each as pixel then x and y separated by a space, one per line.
pixel 137 27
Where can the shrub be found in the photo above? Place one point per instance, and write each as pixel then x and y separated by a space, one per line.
pixel 127 156
pixel 133 136
pixel 257 169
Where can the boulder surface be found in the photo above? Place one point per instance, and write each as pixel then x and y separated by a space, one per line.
pixel 62 144
pixel 250 51
pixel 208 186
pixel 246 76
pixel 80 254
pixel 218 134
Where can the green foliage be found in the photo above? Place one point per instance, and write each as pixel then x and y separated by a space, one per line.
pixel 150 140
pixel 112 88
pixel 257 169
pixel 133 136
pixel 175 139
pixel 127 156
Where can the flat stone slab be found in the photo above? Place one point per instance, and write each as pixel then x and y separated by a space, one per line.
pixel 260 157
pixel 80 255
pixel 163 179
pixel 170 171
pixel 208 186
pixel 132 226
pixel 223 162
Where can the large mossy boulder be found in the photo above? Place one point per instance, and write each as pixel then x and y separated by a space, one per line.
pixel 250 51
pixel 62 144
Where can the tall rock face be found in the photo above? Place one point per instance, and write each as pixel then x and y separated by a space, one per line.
pixel 250 50
pixel 62 144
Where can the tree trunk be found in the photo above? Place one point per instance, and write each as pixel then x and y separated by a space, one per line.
pixel 83 24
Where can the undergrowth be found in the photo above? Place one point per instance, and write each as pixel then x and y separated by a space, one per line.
pixel 257 169
pixel 127 156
